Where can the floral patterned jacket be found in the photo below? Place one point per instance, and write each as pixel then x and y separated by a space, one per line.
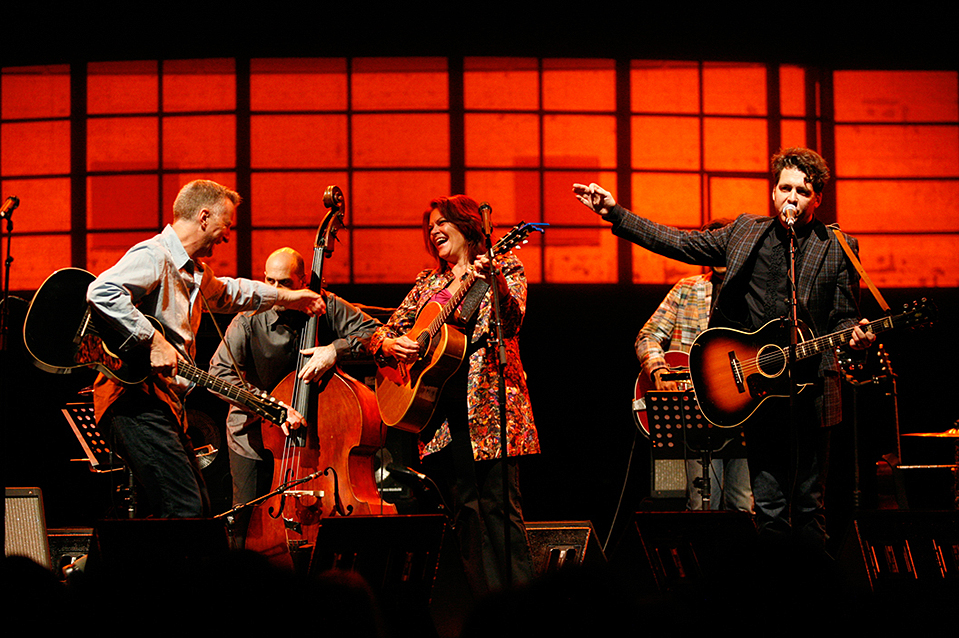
pixel 482 384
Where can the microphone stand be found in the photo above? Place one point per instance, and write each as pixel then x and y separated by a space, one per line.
pixel 791 359
pixel 6 212
pixel 498 342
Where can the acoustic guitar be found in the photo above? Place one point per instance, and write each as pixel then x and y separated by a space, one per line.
pixel 733 372
pixel 60 333
pixel 407 394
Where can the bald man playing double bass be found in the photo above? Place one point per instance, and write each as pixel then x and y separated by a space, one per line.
pixel 266 347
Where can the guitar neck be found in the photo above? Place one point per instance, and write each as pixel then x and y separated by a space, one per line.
pixel 450 306
pixel 237 394
pixel 839 339
pixel 515 236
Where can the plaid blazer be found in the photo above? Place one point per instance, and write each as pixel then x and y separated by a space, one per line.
pixel 827 287
pixel 681 316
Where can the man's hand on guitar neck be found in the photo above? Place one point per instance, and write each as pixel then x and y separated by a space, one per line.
pixel 861 339
pixel 322 359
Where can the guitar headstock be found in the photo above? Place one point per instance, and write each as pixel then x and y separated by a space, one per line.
pixel 269 408
pixel 518 234
pixel 919 313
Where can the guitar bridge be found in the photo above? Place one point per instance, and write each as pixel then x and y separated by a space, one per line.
pixel 737 370
pixel 84 325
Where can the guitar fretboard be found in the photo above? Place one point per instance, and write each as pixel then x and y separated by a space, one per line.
pixel 840 339
pixel 265 408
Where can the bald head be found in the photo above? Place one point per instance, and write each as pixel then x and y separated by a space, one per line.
pixel 285 269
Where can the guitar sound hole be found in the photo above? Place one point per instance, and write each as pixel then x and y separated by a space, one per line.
pixel 424 342
pixel 771 361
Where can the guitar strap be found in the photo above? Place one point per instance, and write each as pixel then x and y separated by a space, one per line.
pixel 236 368
pixel 472 300
pixel 862 271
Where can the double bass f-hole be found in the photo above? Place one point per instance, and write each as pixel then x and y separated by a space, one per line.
pixel 337 500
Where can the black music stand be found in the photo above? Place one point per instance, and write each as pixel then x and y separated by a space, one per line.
pixel 677 427
pixel 94 443
pixel 101 457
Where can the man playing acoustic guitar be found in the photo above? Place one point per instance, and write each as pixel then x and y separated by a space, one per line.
pixel 163 277
pixel 787 486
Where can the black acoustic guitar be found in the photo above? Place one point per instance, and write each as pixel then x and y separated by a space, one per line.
pixel 60 333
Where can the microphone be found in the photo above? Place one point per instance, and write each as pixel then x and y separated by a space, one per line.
pixel 8 207
pixel 485 210
pixel 406 471
pixel 789 214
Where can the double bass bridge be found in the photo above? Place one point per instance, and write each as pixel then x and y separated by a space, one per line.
pixel 318 494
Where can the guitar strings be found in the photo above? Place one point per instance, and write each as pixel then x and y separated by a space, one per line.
pixel 774 355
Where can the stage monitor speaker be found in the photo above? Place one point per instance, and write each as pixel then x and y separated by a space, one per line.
pixel 67 544
pixel 25 525
pixel 926 487
pixel 130 546
pixel 397 555
pixel 670 551
pixel 903 552
pixel 558 544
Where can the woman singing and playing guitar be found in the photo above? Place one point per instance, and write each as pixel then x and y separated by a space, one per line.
pixel 460 442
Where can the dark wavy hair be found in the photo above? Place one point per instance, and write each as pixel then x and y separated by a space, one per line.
pixel 809 162
pixel 462 212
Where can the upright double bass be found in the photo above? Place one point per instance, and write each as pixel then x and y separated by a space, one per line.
pixel 334 453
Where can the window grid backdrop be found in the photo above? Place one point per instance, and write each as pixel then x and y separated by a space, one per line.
pixel 97 152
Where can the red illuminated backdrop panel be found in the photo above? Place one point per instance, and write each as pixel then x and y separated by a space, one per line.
pixel 690 143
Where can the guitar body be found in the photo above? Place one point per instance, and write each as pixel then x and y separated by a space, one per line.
pixel 677 361
pixel 733 372
pixel 407 394
pixel 60 334
pixel 343 435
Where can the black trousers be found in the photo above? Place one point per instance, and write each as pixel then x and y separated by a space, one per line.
pixel 152 442
pixel 787 467
pixel 482 506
